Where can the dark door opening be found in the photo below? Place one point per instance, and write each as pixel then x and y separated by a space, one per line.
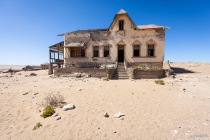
pixel 120 53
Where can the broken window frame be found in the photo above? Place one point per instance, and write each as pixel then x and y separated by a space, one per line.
pixel 106 51
pixel 136 50
pixel 77 52
pixel 151 50
pixel 121 24
pixel 96 51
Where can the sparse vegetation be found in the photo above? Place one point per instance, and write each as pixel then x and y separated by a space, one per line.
pixel 54 100
pixel 105 79
pixel 37 126
pixel 159 82
pixel 47 112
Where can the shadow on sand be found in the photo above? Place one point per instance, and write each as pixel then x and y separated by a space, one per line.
pixel 181 70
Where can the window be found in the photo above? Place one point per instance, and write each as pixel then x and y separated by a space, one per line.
pixel 106 51
pixel 150 51
pixel 95 51
pixel 77 52
pixel 136 50
pixel 121 24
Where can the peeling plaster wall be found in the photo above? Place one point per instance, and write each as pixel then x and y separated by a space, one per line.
pixel 128 36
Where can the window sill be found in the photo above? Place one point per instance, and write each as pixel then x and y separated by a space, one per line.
pixel 75 57
pixel 143 57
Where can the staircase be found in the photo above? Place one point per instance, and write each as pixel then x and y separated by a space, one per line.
pixel 120 73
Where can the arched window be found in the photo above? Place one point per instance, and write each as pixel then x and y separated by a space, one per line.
pixel 136 50
pixel 106 51
pixel 150 50
pixel 95 51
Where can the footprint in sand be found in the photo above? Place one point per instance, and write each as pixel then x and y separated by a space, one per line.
pixel 27 118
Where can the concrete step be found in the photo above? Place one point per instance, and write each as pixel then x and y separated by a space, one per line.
pixel 123 78
pixel 120 72
pixel 122 75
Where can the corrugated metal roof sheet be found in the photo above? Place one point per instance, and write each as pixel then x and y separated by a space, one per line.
pixel 75 44
pixel 150 26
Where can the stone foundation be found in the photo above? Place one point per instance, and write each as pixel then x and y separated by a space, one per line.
pixel 148 74
pixel 93 72
pixel 156 65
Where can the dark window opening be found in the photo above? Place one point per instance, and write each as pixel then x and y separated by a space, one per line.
pixel 136 50
pixel 95 51
pixel 77 52
pixel 106 51
pixel 151 50
pixel 121 25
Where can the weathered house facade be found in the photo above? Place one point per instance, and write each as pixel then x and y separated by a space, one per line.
pixel 123 42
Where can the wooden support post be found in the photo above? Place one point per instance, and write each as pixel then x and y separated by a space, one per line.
pixel 50 72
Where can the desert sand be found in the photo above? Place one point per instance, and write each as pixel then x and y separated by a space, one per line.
pixel 178 110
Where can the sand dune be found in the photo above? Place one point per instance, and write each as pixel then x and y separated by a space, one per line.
pixel 180 109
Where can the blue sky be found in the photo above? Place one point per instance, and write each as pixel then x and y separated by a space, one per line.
pixel 28 27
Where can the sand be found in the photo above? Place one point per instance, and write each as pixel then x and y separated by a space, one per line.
pixel 178 110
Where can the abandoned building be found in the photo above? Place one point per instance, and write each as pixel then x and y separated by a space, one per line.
pixel 121 51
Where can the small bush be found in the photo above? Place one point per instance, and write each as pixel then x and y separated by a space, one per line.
pixel 159 82
pixel 53 100
pixel 48 111
pixel 105 79
pixel 37 126
pixel 33 74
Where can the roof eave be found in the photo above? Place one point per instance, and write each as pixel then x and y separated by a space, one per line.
pixel 84 31
pixel 163 27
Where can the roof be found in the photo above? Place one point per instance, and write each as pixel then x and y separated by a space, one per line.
pixel 116 17
pixel 119 13
pixel 57 46
pixel 122 12
pixel 84 31
pixel 151 26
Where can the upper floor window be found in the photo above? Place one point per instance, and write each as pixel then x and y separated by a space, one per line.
pixel 106 51
pixel 150 51
pixel 121 24
pixel 95 51
pixel 136 50
pixel 77 52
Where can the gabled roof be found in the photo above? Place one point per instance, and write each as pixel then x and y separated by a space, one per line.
pixel 121 12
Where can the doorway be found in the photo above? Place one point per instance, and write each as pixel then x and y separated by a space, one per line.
pixel 120 53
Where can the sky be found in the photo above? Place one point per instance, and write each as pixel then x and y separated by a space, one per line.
pixel 29 27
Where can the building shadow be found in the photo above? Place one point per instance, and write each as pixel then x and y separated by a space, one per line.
pixel 181 70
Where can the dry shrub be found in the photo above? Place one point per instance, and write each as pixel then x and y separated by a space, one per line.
pixel 47 112
pixel 37 126
pixel 159 82
pixel 54 100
